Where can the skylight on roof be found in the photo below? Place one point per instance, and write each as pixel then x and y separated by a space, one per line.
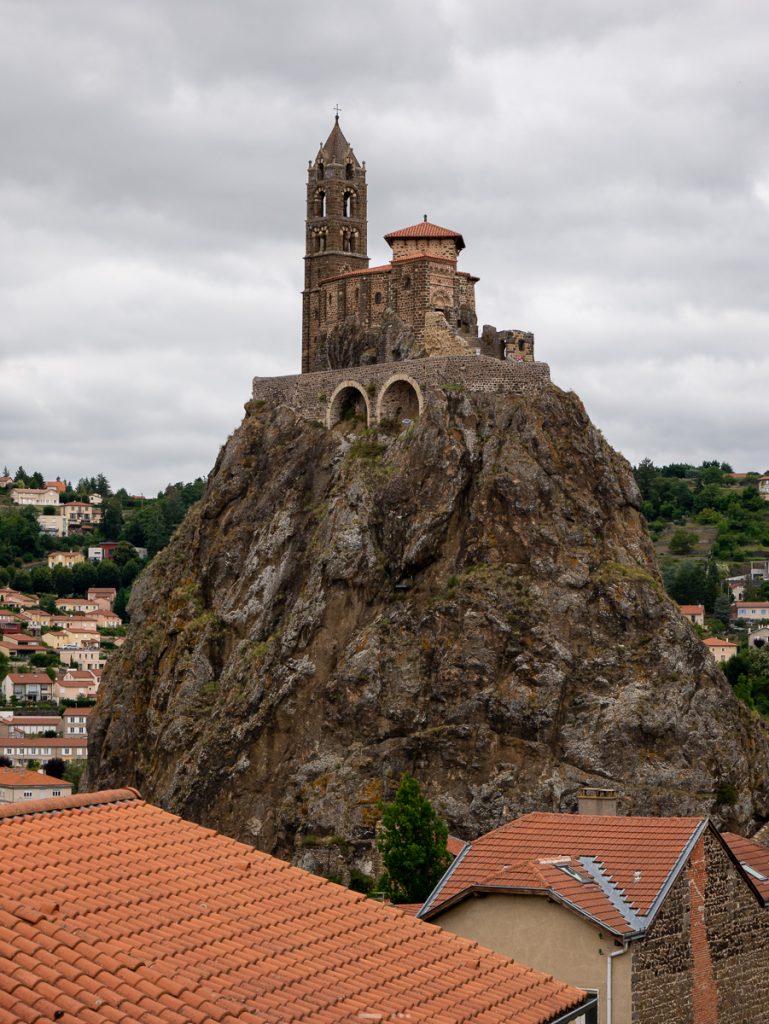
pixel 753 872
pixel 572 872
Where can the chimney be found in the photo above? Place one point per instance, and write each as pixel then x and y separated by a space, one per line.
pixel 597 801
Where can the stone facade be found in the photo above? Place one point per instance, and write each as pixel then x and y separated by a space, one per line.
pixel 322 396
pixel 421 286
pixel 706 958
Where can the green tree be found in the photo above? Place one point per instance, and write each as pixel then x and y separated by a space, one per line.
pixel 83 576
pixel 61 578
pixel 129 572
pixel 112 519
pixel 42 580
pixel 120 606
pixel 682 542
pixel 73 773
pixel 55 768
pixel 107 573
pixel 722 609
pixel 5 762
pixel 412 844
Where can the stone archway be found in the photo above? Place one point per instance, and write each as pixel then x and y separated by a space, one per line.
pixel 400 399
pixel 348 402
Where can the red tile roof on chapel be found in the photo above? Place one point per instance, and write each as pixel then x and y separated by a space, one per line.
pixel 424 229
pixel 165 921
pixel 610 869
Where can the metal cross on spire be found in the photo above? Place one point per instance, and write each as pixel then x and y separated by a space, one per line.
pixel 338 110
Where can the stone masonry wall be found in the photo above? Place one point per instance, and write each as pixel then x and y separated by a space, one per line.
pixel 706 958
pixel 738 936
pixel 309 394
pixel 662 977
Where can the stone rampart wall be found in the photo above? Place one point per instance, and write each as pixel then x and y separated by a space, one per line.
pixel 310 394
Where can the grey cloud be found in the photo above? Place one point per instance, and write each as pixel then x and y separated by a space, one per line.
pixel 606 163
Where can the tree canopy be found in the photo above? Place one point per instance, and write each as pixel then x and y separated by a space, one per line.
pixel 412 845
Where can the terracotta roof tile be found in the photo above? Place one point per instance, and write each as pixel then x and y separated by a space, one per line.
pixel 424 229
pixel 596 863
pixel 754 859
pixel 218 932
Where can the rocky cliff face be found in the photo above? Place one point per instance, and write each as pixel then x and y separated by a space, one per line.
pixel 474 599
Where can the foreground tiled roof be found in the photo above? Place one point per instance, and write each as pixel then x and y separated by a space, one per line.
pixel 611 869
pixel 165 921
pixel 754 858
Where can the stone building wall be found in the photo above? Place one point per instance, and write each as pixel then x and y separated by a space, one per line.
pixel 412 288
pixel 706 958
pixel 738 938
pixel 442 247
pixel 310 394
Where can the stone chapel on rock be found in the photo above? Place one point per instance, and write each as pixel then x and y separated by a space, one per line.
pixel 379 343
pixel 420 290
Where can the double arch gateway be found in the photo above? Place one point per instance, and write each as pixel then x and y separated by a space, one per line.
pixel 399 399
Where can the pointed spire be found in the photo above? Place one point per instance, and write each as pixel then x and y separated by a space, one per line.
pixel 336 149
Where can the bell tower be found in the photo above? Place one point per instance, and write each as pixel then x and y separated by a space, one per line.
pixel 335 239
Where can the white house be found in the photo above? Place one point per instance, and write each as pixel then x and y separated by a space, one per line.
pixel 18 784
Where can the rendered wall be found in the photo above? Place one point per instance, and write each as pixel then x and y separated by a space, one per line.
pixel 548 937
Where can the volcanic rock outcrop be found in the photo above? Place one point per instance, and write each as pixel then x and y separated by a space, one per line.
pixel 474 599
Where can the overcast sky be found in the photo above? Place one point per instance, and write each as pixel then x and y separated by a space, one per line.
pixel 607 163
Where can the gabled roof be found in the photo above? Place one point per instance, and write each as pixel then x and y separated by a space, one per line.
pixel 692 609
pixel 754 859
pixel 36 678
pixel 168 921
pixel 19 778
pixel 424 229
pixel 612 870
pixel 713 641
pixel 336 149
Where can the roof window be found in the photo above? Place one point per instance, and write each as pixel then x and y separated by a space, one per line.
pixel 753 872
pixel 578 876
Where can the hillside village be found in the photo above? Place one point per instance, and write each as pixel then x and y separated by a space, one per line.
pixel 116 909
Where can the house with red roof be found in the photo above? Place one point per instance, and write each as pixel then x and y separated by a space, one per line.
pixel 18 785
pixel 750 611
pixel 166 921
pixel 30 686
pixel 720 650
pixel 659 917
pixel 695 613
pixel 103 596
pixel 15 599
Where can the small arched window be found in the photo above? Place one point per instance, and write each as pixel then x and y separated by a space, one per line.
pixel 348 171
pixel 320 204
pixel 406 282
pixel 378 298
pixel 346 204
pixel 357 294
pixel 321 169
pixel 352 244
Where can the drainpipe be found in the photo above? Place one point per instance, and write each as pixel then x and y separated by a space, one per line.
pixel 609 958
